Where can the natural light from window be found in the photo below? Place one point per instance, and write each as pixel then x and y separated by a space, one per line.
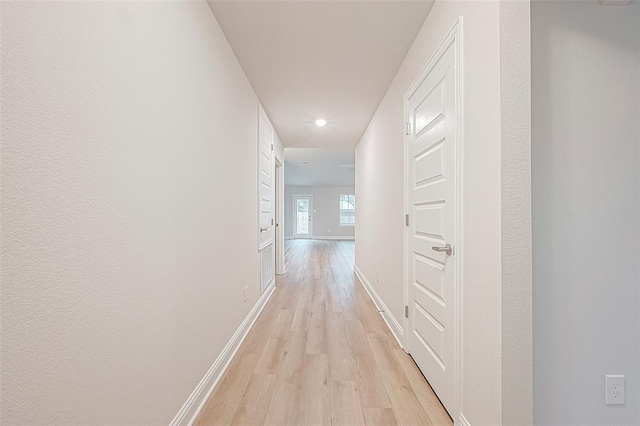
pixel 302 220
pixel 347 209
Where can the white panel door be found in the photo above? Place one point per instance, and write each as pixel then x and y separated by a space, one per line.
pixel 431 149
pixel 265 172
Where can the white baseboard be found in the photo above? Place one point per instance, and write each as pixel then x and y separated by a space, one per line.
pixel 190 410
pixel 389 319
pixel 335 237
pixel 288 237
pixel 462 421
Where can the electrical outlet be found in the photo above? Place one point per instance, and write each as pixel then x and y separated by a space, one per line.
pixel 613 389
pixel 245 293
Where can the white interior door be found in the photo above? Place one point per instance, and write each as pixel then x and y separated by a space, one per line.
pixel 266 181
pixel 302 219
pixel 431 148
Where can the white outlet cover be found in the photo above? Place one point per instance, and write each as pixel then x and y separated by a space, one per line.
pixel 613 389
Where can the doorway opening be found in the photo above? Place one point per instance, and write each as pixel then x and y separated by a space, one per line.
pixel 320 198
pixel 303 221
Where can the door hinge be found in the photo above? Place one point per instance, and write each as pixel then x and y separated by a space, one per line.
pixel 406 312
pixel 407 128
pixel 271 147
pixel 271 222
pixel 406 220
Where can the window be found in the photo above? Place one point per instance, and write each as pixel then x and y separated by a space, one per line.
pixel 347 209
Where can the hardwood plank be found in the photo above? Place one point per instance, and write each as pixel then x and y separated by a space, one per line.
pixel 345 406
pixel 370 385
pixel 315 403
pixel 379 416
pixel 320 354
pixel 256 400
pixel 406 405
pixel 428 399
pixel 293 357
pixel 284 406
pixel 317 341
pixel 269 361
pixel 228 394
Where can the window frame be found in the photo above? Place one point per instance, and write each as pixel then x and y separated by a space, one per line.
pixel 340 210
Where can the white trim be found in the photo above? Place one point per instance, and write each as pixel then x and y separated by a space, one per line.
pixel 454 35
pixel 387 316
pixel 462 421
pixel 279 215
pixel 458 292
pixel 194 404
pixel 335 237
pixel 288 237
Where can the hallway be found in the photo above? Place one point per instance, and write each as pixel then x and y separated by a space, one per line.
pixel 226 212
pixel 320 354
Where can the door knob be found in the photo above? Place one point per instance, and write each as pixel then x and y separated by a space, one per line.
pixel 446 249
pixel 264 229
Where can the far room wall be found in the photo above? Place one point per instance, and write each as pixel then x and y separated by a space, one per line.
pixel 325 213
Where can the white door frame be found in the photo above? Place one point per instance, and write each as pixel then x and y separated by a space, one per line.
pixel 295 216
pixel 279 210
pixel 454 36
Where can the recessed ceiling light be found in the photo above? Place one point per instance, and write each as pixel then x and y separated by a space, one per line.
pixel 321 122
pixel 305 162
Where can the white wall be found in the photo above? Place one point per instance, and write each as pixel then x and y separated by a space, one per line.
pixel 125 249
pixel 326 206
pixel 380 213
pixel 586 210
pixel 515 231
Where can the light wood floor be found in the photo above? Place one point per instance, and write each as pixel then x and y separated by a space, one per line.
pixel 321 354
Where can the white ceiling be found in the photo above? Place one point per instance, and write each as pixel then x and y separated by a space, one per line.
pixel 320 59
pixel 327 167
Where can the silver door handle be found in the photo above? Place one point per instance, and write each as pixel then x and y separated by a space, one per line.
pixel 446 249
pixel 264 229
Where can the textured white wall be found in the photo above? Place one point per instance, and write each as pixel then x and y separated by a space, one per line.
pixel 326 203
pixel 379 187
pixel 586 210
pixel 515 232
pixel 125 249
